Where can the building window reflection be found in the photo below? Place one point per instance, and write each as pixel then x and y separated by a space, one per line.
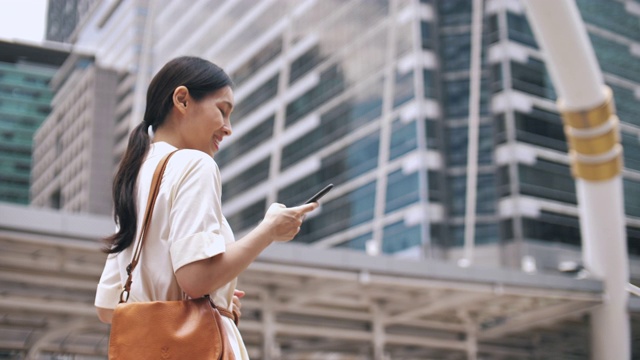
pixel 346 211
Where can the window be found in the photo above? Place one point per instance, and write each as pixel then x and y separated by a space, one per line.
pixel 335 123
pixel 485 194
pixel 403 88
pixel 262 57
pixel 631 197
pixel 398 237
pixel 631 152
pixel 454 12
pixel 429 84
pixel 249 216
pixel 258 97
pixel 627 104
pixel 519 30
pixel 434 140
pixel 330 85
pixel 456 51
pixel 403 138
pixel 456 98
pixel 485 233
pixel 541 127
pixel 339 167
pixel 532 78
pixel 552 227
pixel 247 142
pixel 402 190
pixel 427 35
pixel 547 180
pixel 304 64
pixel 458 143
pixel 616 58
pixel 346 211
pixel 357 243
pixel 610 15
pixel 244 181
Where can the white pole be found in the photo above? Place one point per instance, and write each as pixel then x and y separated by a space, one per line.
pixel 474 124
pixel 596 156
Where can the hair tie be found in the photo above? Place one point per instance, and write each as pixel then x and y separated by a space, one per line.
pixel 150 131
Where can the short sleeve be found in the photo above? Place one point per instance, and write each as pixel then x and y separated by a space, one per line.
pixel 196 214
pixel 109 287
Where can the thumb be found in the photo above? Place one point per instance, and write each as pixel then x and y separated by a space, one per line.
pixel 303 209
pixel 239 293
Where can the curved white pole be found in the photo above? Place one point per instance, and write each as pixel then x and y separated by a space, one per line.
pixel 578 80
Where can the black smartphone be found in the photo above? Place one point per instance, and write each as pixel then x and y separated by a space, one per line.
pixel 319 194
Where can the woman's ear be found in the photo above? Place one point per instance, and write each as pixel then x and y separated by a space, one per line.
pixel 180 98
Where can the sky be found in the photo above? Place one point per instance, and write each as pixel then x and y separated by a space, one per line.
pixel 23 19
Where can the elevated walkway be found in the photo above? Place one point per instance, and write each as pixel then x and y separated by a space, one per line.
pixel 301 303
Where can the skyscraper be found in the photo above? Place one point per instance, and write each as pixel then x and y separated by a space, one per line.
pixel 25 96
pixel 374 97
pixel 73 149
pixel 63 16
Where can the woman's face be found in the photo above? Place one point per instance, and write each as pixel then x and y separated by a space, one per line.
pixel 208 121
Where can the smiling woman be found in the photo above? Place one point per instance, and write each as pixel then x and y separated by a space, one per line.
pixel 190 248
pixel 23 20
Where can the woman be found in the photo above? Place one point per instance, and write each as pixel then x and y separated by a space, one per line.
pixel 190 247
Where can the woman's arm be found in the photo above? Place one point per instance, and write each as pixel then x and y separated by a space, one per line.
pixel 205 276
pixel 105 315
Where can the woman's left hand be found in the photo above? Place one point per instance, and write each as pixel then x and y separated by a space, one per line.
pixel 236 305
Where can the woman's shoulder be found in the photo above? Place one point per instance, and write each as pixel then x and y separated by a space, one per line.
pixel 190 160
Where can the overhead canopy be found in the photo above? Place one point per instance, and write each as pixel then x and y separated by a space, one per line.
pixel 300 300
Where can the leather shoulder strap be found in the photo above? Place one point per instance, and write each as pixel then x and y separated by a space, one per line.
pixel 153 195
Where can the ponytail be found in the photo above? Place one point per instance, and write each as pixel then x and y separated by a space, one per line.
pixel 201 77
pixel 124 190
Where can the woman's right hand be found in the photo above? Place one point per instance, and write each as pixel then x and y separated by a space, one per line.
pixel 283 223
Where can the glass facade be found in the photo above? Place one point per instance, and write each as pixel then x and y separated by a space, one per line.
pixel 25 97
pixel 379 106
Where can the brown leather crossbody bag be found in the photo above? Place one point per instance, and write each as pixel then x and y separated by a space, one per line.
pixel 186 329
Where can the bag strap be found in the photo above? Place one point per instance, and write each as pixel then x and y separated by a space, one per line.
pixel 153 195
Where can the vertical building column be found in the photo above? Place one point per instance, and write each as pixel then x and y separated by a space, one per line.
pixel 475 75
pixel 471 330
pixel 379 336
pixel 510 132
pixel 281 111
pixel 595 153
pixel 375 247
pixel 270 348
pixel 421 131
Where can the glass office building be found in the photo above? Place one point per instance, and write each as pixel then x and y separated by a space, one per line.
pixel 63 16
pixel 25 96
pixel 373 96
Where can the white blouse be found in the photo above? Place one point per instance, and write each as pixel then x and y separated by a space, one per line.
pixel 187 226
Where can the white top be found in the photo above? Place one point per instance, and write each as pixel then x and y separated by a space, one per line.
pixel 187 226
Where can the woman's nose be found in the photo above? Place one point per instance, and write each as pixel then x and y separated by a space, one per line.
pixel 227 130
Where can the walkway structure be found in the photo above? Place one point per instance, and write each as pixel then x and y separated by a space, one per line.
pixel 301 303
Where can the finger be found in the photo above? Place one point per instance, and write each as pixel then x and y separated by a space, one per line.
pixel 277 205
pixel 303 209
pixel 239 293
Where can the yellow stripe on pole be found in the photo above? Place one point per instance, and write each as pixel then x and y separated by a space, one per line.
pixel 597 171
pixel 594 140
pixel 594 144
pixel 589 118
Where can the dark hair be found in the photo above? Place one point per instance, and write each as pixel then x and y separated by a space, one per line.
pixel 202 78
